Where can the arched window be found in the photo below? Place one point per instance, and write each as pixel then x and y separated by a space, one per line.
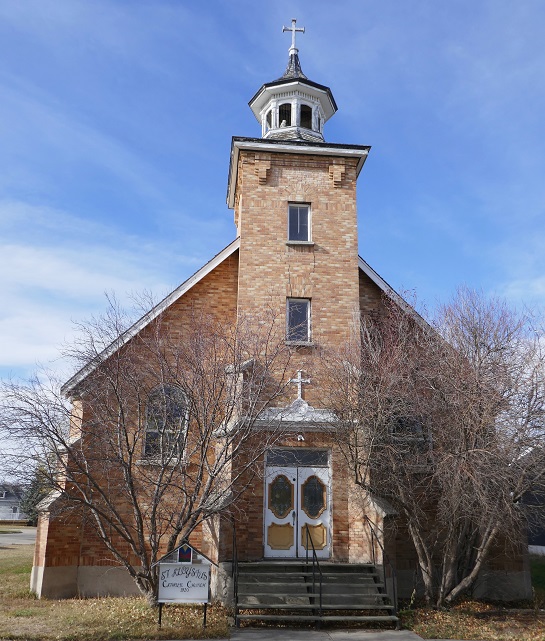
pixel 166 422
pixel 269 119
pixel 284 115
pixel 306 117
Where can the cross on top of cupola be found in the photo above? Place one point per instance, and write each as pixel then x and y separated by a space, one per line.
pixel 293 107
pixel 293 70
pixel 294 30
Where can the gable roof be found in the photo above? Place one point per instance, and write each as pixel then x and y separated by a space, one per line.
pixel 391 292
pixel 156 311
pixel 140 324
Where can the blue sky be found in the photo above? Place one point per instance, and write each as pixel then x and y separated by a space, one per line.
pixel 116 120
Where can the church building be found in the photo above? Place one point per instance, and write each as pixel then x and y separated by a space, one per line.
pixel 296 251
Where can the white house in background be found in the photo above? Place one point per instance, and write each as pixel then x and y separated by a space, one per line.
pixel 10 503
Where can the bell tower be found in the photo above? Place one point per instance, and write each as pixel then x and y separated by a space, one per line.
pixel 293 107
pixel 294 200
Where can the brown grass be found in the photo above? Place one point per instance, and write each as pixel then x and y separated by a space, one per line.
pixel 475 620
pixel 24 617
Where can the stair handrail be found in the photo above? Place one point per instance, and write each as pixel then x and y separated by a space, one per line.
pixel 315 566
pixel 385 561
pixel 234 573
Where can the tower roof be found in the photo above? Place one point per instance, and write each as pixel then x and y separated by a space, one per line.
pixel 293 70
pixel 293 88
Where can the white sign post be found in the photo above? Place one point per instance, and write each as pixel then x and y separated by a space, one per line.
pixel 184 577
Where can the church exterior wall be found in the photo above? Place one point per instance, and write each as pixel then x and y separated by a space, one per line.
pixel 216 294
pixel 69 558
pixel 271 269
pixel 349 541
pixel 370 296
pixel 505 577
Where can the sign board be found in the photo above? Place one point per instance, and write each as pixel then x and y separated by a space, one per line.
pixel 187 583
pixel 184 577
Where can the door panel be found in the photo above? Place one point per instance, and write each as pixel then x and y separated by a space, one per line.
pixel 297 498
pixel 280 512
pixel 314 511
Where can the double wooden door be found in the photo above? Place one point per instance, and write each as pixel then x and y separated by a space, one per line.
pixel 297 506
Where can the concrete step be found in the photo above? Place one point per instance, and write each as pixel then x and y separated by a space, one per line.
pixel 303 617
pixel 347 588
pixel 333 598
pixel 356 567
pixel 309 606
pixel 290 592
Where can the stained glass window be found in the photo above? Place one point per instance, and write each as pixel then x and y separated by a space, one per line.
pixel 280 496
pixel 313 497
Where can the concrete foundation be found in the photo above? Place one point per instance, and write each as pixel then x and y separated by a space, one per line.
pixel 492 584
pixel 54 582
pixel 67 582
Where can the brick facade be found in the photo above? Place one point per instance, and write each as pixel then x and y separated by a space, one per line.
pixel 261 275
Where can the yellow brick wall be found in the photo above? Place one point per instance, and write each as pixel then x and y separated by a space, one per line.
pixel 270 270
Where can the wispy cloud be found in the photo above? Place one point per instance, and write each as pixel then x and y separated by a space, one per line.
pixel 59 271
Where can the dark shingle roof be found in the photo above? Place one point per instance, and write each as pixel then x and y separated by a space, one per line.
pixel 293 70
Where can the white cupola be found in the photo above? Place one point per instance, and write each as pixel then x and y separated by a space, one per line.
pixel 293 107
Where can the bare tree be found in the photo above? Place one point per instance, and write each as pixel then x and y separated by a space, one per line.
pixel 158 436
pixel 446 421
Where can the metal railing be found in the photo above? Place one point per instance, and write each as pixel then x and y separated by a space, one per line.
pixel 234 574
pixel 385 562
pixel 316 571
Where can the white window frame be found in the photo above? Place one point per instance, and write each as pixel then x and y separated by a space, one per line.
pixel 308 240
pixel 290 330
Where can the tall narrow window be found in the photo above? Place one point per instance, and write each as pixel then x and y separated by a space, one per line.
pixel 166 422
pixel 306 117
pixel 298 320
pixel 298 222
pixel 269 119
pixel 284 115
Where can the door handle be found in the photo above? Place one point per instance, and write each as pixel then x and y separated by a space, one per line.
pixel 293 517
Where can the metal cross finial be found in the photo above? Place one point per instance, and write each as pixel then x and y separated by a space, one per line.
pixel 293 29
pixel 299 382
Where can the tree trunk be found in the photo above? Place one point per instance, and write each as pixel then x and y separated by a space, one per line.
pixel 470 579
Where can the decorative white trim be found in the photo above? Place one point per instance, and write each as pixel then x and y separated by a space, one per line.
pixel 150 316
pixel 390 292
pixel 381 506
pixel 313 149
pixel 45 504
pixel 294 88
pixel 298 412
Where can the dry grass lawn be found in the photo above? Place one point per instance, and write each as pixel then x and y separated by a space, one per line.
pixel 474 620
pixel 24 617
